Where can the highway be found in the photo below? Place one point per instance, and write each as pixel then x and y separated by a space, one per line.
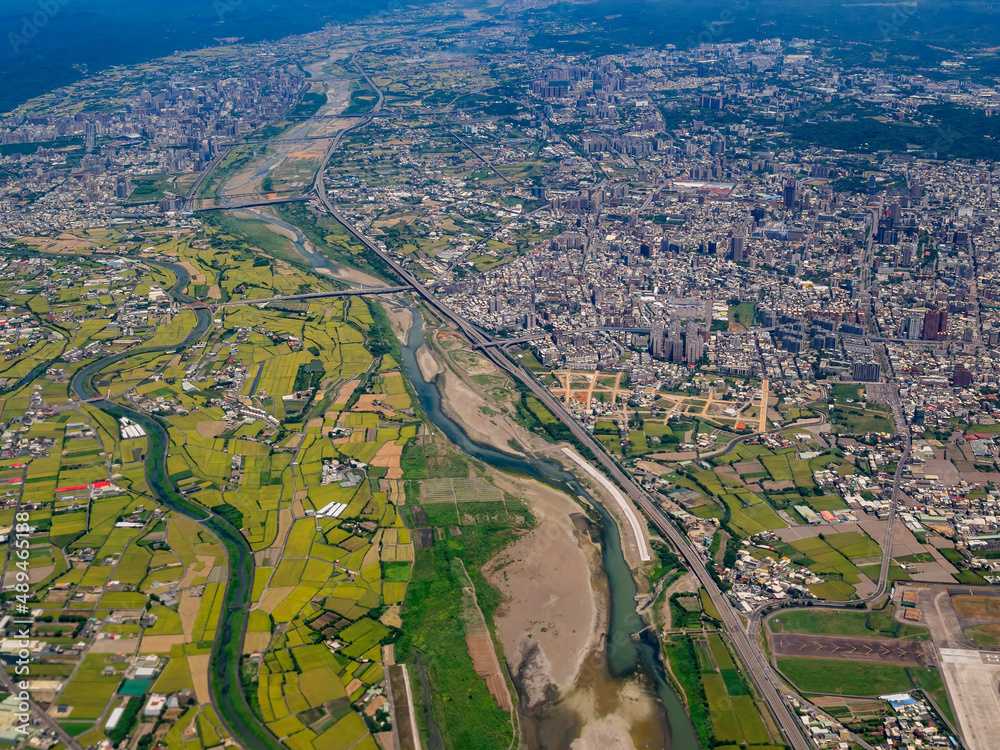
pixel 252 203
pixel 308 295
pixel 190 198
pixel 479 156
pixel 258 199
pixel 741 635
pixel 39 714
pixel 758 669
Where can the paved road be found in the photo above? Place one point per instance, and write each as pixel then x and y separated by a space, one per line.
pixel 359 120
pixel 758 668
pixel 40 714
pixel 7 681
pixel 481 158
pixel 251 203
pixel 763 405
pixel 756 665
pixel 883 578
pixel 741 635
pixel 309 295
pixel 192 193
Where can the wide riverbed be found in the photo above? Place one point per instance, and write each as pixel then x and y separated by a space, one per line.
pixel 625 655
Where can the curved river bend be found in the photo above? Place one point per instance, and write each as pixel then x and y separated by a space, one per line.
pixel 624 653
pixel 227 693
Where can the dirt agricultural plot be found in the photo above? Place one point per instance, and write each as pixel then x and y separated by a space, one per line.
pixel 471 490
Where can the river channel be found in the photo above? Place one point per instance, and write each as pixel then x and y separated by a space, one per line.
pixel 227 692
pixel 302 246
pixel 625 655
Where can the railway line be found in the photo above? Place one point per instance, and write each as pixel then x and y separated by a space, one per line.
pixel 758 669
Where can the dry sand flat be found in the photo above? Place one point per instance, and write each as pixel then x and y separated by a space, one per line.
pixel 427 363
pixel 609 733
pixel 351 274
pixel 468 405
pixel 621 718
pixel 550 614
pixel 464 404
pixel 401 319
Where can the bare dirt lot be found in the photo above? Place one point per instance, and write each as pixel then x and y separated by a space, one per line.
pixel 977 607
pixel 211 428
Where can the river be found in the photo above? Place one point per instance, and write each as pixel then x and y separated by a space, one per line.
pixel 625 655
pixel 227 692
pixel 315 258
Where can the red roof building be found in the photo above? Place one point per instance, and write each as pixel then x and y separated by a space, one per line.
pixel 73 489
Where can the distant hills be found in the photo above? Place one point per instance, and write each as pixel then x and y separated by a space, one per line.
pixel 49 43
pixel 45 44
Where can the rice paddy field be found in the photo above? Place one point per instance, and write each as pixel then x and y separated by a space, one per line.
pixel 291 422
pixel 722 707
